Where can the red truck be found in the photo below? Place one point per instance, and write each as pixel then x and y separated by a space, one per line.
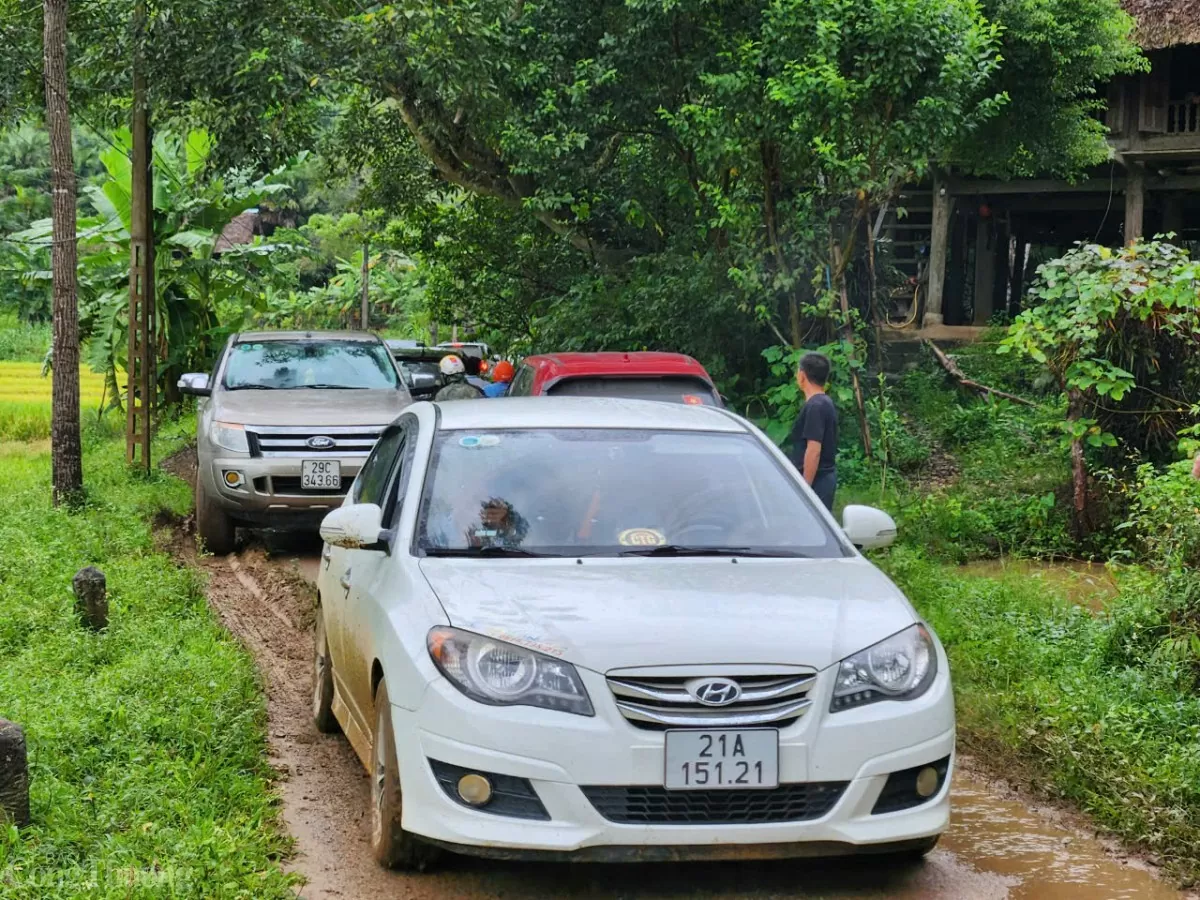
pixel 672 377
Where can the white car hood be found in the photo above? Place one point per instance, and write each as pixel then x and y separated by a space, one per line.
pixel 615 614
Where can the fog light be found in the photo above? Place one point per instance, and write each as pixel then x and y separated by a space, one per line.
pixel 474 789
pixel 234 479
pixel 927 781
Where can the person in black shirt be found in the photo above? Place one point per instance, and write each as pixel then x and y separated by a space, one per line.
pixel 814 437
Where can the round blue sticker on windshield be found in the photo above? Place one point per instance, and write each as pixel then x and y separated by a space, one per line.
pixel 473 441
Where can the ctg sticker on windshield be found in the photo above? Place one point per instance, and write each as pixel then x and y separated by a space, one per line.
pixel 476 441
pixel 641 537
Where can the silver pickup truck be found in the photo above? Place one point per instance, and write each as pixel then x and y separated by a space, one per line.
pixel 284 423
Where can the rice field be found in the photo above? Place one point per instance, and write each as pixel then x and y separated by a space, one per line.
pixel 25 400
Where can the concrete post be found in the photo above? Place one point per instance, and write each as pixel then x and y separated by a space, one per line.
pixel 14 775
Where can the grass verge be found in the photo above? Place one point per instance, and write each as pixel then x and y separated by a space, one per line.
pixel 1087 707
pixel 147 742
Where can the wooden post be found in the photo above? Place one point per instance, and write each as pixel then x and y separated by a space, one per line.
pixel 142 365
pixel 985 268
pixel 91 598
pixel 1018 277
pixel 14 775
pixel 939 239
pixel 1173 216
pixel 366 286
pixel 1135 202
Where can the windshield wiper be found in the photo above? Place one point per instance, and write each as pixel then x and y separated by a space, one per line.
pixel 332 387
pixel 485 551
pixel 254 387
pixel 684 550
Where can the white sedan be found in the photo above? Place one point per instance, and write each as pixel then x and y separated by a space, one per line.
pixel 614 629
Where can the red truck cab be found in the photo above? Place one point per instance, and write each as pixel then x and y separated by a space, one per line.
pixel 672 377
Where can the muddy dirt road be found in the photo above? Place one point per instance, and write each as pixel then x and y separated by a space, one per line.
pixel 997 848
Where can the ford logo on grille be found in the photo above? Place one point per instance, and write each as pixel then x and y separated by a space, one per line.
pixel 320 442
pixel 715 691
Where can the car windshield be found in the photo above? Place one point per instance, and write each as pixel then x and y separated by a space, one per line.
pixel 674 389
pixel 294 365
pixel 594 492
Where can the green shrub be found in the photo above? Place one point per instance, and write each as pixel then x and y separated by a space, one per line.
pixel 26 343
pixel 1093 704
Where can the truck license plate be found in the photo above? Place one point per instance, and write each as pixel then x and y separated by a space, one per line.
pixel 725 759
pixel 320 474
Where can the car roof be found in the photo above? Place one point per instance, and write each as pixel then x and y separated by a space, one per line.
pixel 583 412
pixel 263 336
pixel 646 362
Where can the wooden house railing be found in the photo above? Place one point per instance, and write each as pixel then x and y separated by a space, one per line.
pixel 1183 116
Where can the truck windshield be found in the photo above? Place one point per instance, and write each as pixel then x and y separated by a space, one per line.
pixel 671 388
pixel 295 365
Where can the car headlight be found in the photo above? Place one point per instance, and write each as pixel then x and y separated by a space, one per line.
pixel 502 674
pixel 901 667
pixel 229 435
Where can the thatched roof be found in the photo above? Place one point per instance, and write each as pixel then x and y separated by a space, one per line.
pixel 240 230
pixel 1165 23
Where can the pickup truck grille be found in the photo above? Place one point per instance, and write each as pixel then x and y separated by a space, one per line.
pixel 272 441
pixel 658 703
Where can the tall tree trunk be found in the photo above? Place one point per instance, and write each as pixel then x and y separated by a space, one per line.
pixel 847 331
pixel 65 451
pixel 366 286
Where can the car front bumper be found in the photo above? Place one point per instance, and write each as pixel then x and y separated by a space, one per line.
pixel 559 754
pixel 270 494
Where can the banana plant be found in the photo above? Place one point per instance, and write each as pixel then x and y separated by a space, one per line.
pixel 196 285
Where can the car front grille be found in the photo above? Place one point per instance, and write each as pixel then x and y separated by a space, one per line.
pixel 289 485
pixel 651 805
pixel 657 702
pixel 272 441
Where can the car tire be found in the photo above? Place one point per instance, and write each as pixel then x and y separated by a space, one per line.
pixel 322 704
pixel 213 524
pixel 392 846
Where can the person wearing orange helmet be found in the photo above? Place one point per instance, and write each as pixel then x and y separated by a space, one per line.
pixel 502 376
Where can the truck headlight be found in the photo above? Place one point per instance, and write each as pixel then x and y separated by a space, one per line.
pixel 230 436
pixel 502 674
pixel 901 667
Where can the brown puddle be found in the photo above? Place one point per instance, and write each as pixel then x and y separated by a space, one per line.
pixel 1084 583
pixel 1038 859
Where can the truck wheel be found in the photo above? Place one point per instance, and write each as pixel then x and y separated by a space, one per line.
pixel 322 679
pixel 393 847
pixel 213 524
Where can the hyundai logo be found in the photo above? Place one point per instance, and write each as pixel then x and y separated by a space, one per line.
pixel 715 691
pixel 320 442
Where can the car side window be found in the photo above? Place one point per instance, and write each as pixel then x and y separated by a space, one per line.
pixel 372 481
pixel 522 383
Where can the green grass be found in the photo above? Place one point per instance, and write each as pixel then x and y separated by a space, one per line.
pixel 147 744
pixel 25 402
pixel 1087 707
pixel 23 342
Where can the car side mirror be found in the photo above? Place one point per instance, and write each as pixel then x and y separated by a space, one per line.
pixel 358 526
pixel 868 528
pixel 195 384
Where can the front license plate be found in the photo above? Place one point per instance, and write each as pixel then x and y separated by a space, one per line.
pixel 725 759
pixel 320 474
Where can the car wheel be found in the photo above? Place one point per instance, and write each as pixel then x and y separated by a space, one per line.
pixel 213 524
pixel 393 847
pixel 322 702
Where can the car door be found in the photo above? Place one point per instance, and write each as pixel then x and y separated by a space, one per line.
pixel 367 574
pixel 337 563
